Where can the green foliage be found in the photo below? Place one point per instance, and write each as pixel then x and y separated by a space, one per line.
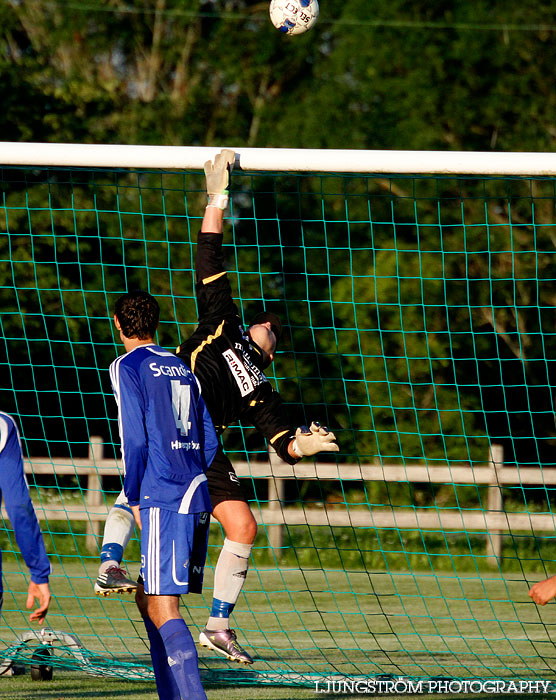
pixel 406 75
pixel 414 328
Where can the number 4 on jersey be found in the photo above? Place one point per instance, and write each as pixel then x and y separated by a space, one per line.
pixel 181 400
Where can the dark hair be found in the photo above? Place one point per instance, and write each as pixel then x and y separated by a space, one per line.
pixel 138 314
pixel 275 323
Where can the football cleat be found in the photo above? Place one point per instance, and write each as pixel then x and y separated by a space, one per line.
pixel 224 642
pixel 114 580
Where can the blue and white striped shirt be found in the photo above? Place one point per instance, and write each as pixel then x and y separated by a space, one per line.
pixel 167 437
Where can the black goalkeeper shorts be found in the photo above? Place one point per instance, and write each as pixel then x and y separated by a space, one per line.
pixel 223 484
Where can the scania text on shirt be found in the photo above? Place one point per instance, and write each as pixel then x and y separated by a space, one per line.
pixel 168 370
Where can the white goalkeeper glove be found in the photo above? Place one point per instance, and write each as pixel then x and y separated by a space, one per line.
pixel 218 178
pixel 309 441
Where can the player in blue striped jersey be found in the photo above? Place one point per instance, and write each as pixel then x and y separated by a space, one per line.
pixel 15 492
pixel 166 449
pixel 167 442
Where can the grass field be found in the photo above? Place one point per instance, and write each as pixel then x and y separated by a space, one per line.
pixel 308 622
pixel 72 686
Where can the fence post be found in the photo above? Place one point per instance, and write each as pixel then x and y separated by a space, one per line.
pixel 495 504
pixel 276 492
pixel 94 491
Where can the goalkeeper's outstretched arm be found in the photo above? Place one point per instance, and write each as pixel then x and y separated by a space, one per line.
pixel 308 441
pixel 217 174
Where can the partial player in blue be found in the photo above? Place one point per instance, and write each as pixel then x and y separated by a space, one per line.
pixel 14 490
pixel 167 443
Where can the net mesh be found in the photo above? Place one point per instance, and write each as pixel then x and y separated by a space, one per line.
pixel 420 326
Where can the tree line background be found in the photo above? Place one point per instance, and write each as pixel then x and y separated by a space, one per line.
pixel 420 312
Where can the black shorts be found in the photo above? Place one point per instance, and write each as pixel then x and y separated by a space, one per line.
pixel 223 484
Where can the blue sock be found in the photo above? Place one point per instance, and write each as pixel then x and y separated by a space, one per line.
pixel 112 551
pixel 182 658
pixel 220 608
pixel 165 682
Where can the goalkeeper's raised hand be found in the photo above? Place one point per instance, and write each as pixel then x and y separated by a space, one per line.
pixel 217 174
pixel 309 441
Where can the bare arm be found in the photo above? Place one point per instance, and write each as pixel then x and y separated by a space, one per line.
pixel 213 220
pixel 136 515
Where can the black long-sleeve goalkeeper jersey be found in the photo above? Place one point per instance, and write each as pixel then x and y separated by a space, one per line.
pixel 226 361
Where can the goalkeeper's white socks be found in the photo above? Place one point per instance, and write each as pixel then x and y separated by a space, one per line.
pixel 229 577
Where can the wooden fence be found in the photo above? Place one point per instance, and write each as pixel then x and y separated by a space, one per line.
pixel 493 522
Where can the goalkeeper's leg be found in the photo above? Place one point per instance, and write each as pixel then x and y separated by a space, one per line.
pixel 229 576
pixel 120 523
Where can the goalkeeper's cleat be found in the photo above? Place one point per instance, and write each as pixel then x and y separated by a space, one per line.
pixel 114 580
pixel 225 643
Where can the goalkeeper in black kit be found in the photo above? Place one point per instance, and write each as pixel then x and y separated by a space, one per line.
pixel 229 363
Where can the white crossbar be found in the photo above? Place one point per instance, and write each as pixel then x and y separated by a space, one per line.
pixel 279 159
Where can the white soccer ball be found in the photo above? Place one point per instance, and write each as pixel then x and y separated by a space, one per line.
pixel 294 16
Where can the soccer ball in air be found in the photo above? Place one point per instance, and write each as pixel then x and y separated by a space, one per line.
pixel 294 16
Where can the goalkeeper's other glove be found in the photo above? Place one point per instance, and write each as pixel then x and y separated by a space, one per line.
pixel 218 178
pixel 309 441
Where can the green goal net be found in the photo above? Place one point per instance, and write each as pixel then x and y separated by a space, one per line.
pixel 420 315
